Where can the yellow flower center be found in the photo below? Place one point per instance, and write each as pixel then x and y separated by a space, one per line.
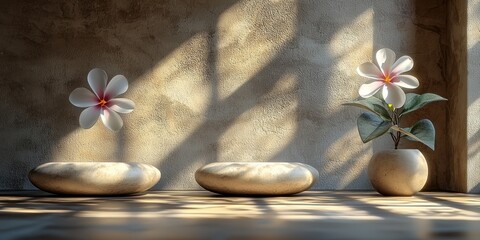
pixel 102 102
pixel 388 79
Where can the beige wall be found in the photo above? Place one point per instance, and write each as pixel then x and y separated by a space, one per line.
pixel 473 117
pixel 212 81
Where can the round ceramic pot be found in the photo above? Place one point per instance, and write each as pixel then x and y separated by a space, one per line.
pixel 398 172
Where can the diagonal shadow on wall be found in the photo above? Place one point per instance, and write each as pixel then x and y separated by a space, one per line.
pixel 47 48
pixel 312 73
pixel 131 38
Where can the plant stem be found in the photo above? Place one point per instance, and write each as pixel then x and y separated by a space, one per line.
pixel 393 137
pixel 395 121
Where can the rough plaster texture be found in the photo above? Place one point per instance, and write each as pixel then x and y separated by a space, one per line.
pixel 473 119
pixel 212 80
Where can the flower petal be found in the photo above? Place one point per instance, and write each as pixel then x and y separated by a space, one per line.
pixel 385 59
pixel 97 79
pixel 370 88
pixel 369 70
pixel 393 95
pixel 121 105
pixel 116 86
pixel 89 117
pixel 82 97
pixel 403 64
pixel 111 119
pixel 406 81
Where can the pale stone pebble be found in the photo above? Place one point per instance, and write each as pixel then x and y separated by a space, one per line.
pixel 256 178
pixel 94 178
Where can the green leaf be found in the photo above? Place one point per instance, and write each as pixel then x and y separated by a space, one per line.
pixel 404 135
pixel 422 131
pixel 373 104
pixel 414 101
pixel 370 126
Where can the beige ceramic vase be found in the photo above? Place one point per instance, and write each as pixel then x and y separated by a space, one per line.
pixel 398 172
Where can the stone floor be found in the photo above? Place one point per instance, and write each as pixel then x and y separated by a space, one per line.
pixel 202 215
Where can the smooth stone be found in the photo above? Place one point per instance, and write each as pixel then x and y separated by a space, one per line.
pixel 256 178
pixel 94 178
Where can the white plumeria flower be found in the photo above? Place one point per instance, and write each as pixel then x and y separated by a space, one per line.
pixel 102 102
pixel 388 77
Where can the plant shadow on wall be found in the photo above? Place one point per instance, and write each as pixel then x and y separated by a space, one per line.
pixel 273 90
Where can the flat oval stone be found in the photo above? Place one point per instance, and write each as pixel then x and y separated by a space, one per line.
pixel 256 178
pixel 94 178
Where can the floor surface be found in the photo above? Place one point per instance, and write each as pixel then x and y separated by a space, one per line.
pixel 203 215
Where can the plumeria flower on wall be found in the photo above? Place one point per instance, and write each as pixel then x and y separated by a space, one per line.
pixel 103 102
pixel 388 77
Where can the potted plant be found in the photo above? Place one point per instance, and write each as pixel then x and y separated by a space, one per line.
pixel 399 172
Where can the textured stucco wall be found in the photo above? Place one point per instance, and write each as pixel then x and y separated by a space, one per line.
pixel 473 119
pixel 212 80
